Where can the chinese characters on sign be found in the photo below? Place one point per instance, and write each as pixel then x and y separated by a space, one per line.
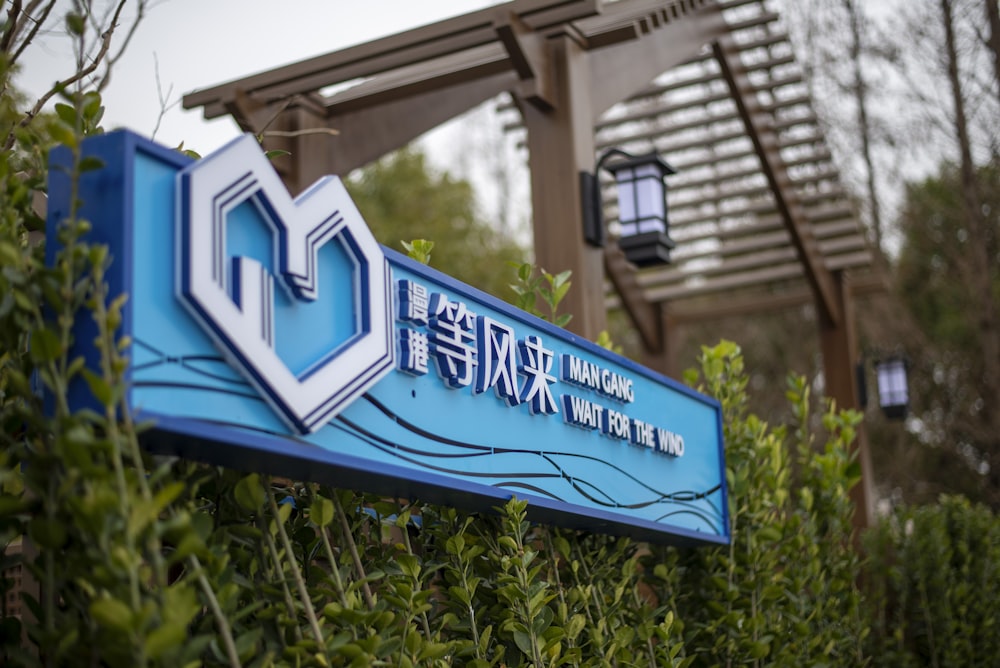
pixel 470 350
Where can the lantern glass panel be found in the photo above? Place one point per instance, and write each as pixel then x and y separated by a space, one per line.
pixel 892 390
pixel 649 199
pixel 627 213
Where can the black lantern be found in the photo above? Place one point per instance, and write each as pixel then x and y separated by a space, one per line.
pixel 893 395
pixel 642 206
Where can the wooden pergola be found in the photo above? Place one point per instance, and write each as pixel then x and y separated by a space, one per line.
pixel 759 216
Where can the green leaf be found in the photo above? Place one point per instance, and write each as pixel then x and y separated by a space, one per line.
pixel 409 565
pixel 90 163
pixel 250 493
pixel 561 280
pixel 542 621
pixel 165 637
pixel 461 595
pixel 47 533
pixel 63 133
pixel 246 643
pixel 523 642
pixel 431 651
pixel 92 109
pixel 321 511
pixel 66 113
pixel 575 626
pixel 45 345
pixel 769 533
pixel 455 544
pixel 419 250
pixel 758 650
pixel 98 387
pixel 284 512
pixel 508 543
pixel 11 505
pixel 75 23
pixel 563 320
pixel 112 613
pixel 167 495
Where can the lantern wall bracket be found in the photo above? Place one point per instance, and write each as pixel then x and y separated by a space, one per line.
pixel 593 207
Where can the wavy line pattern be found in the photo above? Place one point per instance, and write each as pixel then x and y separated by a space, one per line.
pixel 506 467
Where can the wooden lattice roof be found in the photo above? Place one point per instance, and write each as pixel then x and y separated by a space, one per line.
pixel 736 121
pixel 735 251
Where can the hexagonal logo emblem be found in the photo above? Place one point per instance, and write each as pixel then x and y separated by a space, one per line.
pixel 294 293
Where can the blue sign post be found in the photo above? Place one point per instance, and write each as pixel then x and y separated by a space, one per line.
pixel 277 335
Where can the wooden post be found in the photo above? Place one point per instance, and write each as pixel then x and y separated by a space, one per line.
pixel 664 358
pixel 561 144
pixel 839 346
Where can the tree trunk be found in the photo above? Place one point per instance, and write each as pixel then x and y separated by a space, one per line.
pixel 864 128
pixel 993 20
pixel 980 268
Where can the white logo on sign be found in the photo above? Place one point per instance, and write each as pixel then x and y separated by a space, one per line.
pixel 233 299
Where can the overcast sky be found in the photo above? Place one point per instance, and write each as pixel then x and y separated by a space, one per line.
pixel 199 43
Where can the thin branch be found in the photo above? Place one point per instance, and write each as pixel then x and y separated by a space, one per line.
pixel 9 32
pixel 293 566
pixel 164 100
pixel 300 133
pixel 37 25
pixel 358 566
pixel 277 112
pixel 112 60
pixel 79 75
pixel 225 631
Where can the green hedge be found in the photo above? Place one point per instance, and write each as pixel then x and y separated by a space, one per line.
pixel 932 584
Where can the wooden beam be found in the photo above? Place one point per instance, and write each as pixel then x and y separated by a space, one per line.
pixel 724 283
pixel 401 50
pixel 656 90
pixel 251 115
pixel 528 55
pixel 366 135
pixel 766 144
pixel 756 192
pixel 720 177
pixel 678 219
pixel 664 357
pixel 430 76
pixel 689 103
pixel 766 233
pixel 739 273
pixel 850 261
pixel 623 69
pixel 645 316
pixel 743 306
pixel 761 302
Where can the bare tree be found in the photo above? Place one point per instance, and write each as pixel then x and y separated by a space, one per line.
pixel 979 275
pixel 859 90
pixel 837 47
pixel 993 21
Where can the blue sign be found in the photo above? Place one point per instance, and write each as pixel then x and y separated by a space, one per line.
pixel 277 335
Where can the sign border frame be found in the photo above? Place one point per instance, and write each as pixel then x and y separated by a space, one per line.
pixel 287 455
